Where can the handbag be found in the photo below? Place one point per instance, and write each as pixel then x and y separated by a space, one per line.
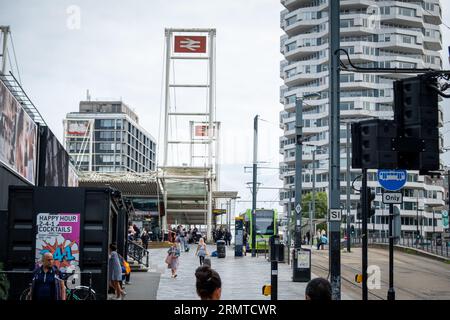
pixel 169 260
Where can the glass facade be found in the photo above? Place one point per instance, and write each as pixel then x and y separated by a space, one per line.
pixel 118 145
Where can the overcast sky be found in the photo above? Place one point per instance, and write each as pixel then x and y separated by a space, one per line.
pixel 117 53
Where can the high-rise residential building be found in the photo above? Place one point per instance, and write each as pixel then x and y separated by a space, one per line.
pixel 391 34
pixel 105 136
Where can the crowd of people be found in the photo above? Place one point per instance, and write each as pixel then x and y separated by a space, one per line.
pixel 47 285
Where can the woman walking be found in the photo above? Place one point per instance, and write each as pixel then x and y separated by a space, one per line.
pixel 172 258
pixel 201 251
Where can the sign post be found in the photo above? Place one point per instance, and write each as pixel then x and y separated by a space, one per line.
pixel 392 180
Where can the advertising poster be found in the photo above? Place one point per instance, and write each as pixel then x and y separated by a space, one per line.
pixel 77 128
pixel 58 234
pixel 18 135
pixel 56 162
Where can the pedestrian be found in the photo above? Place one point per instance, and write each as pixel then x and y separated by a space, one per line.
pixel 323 240
pixel 245 243
pixel 208 283
pixel 137 232
pixel 115 272
pixel 194 235
pixel 172 258
pixel 318 289
pixel 46 283
pixel 126 270
pixel 145 237
pixel 183 242
pixel 308 237
pixel 201 252
pixel 227 237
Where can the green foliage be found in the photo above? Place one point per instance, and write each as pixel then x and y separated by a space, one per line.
pixel 320 212
pixel 4 284
pixel 321 205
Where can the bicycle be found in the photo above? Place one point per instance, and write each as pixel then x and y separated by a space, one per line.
pixel 79 293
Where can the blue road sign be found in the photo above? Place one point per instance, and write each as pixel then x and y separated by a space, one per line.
pixel 392 180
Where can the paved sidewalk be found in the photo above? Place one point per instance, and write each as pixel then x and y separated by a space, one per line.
pixel 242 278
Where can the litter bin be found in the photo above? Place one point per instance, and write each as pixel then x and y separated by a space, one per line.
pixel 221 251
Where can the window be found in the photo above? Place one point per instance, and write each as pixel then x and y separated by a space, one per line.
pixel 107 123
pixel 291 46
pixel 291 20
pixel 347 23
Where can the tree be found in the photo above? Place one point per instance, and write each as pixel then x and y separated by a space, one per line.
pixel 321 208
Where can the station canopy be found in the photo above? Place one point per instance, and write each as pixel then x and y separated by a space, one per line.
pixel 129 183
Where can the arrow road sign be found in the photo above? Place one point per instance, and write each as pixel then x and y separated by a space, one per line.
pixel 392 198
pixel 190 44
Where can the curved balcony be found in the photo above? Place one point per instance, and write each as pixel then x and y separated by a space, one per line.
pixel 303 52
pixel 433 16
pixel 432 43
pixel 301 78
pixel 294 4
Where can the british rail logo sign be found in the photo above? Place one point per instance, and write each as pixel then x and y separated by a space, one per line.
pixel 190 44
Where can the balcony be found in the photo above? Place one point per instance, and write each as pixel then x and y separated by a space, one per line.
pixel 301 26
pixel 303 52
pixel 433 16
pixel 432 43
pixel 292 5
pixel 300 78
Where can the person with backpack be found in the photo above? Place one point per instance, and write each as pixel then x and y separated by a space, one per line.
pixel 126 270
pixel 201 251
pixel 46 283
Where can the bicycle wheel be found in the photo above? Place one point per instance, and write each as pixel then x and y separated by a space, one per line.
pixel 26 294
pixel 81 293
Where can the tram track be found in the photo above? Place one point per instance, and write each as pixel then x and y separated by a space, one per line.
pixel 352 270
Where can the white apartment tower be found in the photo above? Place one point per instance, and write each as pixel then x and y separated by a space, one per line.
pixel 392 34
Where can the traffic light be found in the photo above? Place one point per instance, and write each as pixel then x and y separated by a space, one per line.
pixel 411 140
pixel 370 198
pixel 416 111
pixel 372 144
pixel 352 230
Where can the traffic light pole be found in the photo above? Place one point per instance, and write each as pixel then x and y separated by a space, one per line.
pixel 348 186
pixel 255 165
pixel 298 183
pixel 391 291
pixel 335 157
pixel 365 214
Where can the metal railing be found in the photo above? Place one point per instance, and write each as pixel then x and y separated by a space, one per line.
pixel 138 253
pixel 440 248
